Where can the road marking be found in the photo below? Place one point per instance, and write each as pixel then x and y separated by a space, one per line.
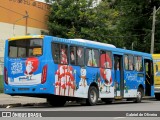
pixel 119 117
pixel 8 106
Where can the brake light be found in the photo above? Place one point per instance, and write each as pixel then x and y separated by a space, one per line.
pixel 44 74
pixel 5 75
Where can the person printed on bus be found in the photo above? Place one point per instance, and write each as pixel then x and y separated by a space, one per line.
pixel 126 62
pixel 107 73
pixel 117 65
pixel 72 58
pixel 80 56
pixel 138 64
pixel 29 68
pixel 130 65
pixel 94 63
pixel 108 76
pixel 63 57
pixel 91 60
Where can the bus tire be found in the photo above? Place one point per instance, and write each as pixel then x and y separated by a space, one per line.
pixel 92 96
pixel 56 101
pixel 139 95
pixel 157 96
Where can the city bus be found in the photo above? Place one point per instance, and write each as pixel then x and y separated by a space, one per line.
pixel 156 61
pixel 85 71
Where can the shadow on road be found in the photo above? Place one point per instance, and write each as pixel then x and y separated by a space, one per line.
pixel 74 104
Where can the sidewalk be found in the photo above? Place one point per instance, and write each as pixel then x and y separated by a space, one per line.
pixel 7 101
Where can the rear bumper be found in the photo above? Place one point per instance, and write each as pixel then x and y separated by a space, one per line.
pixel 34 89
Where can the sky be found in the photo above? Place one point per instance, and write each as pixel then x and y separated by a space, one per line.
pixel 41 0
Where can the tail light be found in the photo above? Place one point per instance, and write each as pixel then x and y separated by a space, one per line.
pixel 5 75
pixel 44 74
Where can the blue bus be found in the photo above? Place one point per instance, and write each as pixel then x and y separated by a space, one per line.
pixel 85 71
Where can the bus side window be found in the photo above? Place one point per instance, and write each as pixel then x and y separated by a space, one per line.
pixel 56 52
pixel 102 59
pixel 13 51
pixel 63 54
pixel 92 58
pixel 105 59
pixel 88 57
pixel 95 57
pixel 73 55
pixel 30 53
pixel 126 62
pixel 131 61
pixel 80 56
pixel 138 63
pixel 21 52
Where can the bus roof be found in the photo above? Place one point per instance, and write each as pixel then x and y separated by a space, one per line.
pixel 26 37
pixel 111 47
pixel 93 42
pixel 88 43
pixel 133 52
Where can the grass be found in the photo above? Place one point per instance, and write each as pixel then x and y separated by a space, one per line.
pixel 1 84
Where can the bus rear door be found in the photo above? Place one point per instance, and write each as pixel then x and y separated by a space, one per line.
pixel 118 76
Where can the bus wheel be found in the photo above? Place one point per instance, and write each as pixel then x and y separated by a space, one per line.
pixel 92 96
pixel 157 96
pixel 56 101
pixel 139 95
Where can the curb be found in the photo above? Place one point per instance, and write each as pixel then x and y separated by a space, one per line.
pixel 21 105
pixel 148 98
pixel 10 105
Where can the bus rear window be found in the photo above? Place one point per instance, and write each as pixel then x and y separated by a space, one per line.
pixel 25 48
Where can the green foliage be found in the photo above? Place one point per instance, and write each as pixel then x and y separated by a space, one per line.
pixel 82 19
pixel 1 83
pixel 124 23
pixel 136 23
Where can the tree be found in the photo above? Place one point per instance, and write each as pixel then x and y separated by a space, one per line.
pixel 124 23
pixel 84 19
pixel 135 23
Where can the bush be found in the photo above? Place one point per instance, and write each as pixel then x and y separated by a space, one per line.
pixel 1 84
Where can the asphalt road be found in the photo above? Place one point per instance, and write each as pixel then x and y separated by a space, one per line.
pixel 120 110
pixel 145 105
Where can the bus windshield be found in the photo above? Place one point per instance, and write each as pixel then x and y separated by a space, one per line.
pixel 25 48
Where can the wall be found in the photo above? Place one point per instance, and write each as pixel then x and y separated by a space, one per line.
pixel 13 20
pixel 11 11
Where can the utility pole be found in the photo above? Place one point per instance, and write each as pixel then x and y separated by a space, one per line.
pixel 26 16
pixel 153 30
pixel 15 23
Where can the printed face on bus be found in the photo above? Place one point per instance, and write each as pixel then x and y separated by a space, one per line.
pixel 29 67
pixel 79 52
pixel 83 72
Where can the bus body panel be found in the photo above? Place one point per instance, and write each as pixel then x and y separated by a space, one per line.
pixel 131 83
pixel 70 80
pixel 25 74
pixel 75 81
pixel 156 61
